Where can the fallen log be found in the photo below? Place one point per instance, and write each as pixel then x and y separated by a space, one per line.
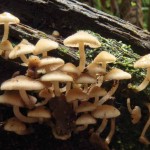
pixel 67 16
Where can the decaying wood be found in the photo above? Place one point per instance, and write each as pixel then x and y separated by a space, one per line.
pixel 68 16
pixel 19 32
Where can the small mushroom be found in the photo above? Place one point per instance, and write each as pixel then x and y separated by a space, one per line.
pixel 104 58
pixel 23 84
pixel 84 120
pixel 74 95
pixel 55 77
pixel 85 79
pixel 96 92
pixel 15 125
pixel 43 46
pixel 116 75
pixel 6 19
pixel 104 112
pixel 143 62
pixel 5 48
pixel 135 113
pixel 40 112
pixel 80 39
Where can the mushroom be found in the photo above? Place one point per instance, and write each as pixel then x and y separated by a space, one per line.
pixel 116 75
pixel 24 47
pixel 55 77
pixel 44 45
pixel 40 112
pixel 84 120
pixel 15 125
pixel 85 107
pixel 104 58
pixel 6 19
pixel 50 64
pixel 104 112
pixel 75 94
pixel 85 79
pixel 5 48
pixel 23 84
pixel 143 62
pixel 80 39
pixel 96 92
pixel 71 70
pixel 135 113
pixel 11 98
pixel 143 138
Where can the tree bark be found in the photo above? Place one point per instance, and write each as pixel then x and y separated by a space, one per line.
pixel 68 16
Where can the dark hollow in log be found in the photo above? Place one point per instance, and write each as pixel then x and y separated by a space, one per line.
pixel 68 16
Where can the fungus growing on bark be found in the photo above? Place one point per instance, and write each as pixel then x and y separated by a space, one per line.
pixel 7 19
pixel 80 39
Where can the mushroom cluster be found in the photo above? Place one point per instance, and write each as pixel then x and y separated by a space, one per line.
pixel 66 97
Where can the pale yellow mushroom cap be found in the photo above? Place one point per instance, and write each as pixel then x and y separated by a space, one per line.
pixel 76 94
pixel 85 78
pixel 51 62
pixel 82 37
pixel 44 45
pixel 56 76
pixel 96 91
pixel 22 83
pixel 39 112
pixel 117 74
pixel 85 119
pixel 94 68
pixel 12 98
pixel 8 18
pixel 85 107
pixel 70 68
pixel 104 57
pixel 14 125
pixel 143 62
pixel 105 111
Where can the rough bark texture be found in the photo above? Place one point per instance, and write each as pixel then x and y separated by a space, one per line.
pixel 67 16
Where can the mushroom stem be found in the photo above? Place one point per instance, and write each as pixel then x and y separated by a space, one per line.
pixel 145 82
pixel 102 126
pixel 100 80
pixel 146 127
pixel 129 105
pixel 25 98
pixel 109 94
pixel 56 88
pixel 44 54
pixel 23 118
pixel 44 102
pixel 82 57
pixel 6 32
pixel 112 131
pixel 24 59
pixel 96 99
